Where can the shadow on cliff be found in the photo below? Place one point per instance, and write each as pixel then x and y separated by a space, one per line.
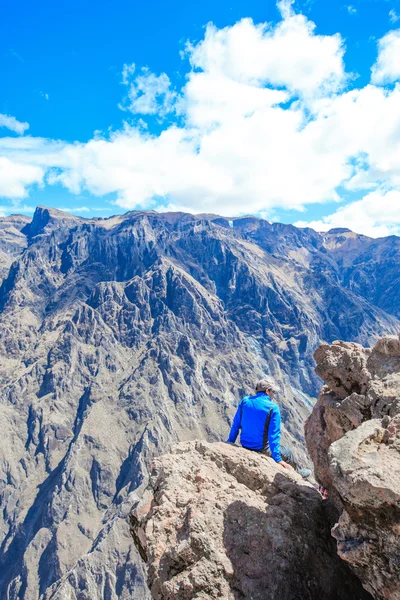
pixel 286 551
pixel 39 516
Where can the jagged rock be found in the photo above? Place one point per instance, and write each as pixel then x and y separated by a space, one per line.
pixel 388 345
pixel 12 241
pixel 354 441
pixel 369 267
pixel 220 521
pixel 343 366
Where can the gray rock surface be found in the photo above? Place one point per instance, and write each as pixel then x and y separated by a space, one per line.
pixel 353 436
pixel 368 267
pixel 220 521
pixel 122 336
pixel 12 241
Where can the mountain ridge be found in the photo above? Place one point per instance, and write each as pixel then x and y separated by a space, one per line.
pixel 56 212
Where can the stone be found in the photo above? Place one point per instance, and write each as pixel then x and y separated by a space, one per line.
pixel 388 345
pixel 220 521
pixel 354 442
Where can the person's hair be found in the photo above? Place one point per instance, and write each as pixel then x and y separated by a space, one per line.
pixel 267 383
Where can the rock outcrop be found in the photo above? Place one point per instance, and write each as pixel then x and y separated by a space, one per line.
pixel 219 521
pixel 353 436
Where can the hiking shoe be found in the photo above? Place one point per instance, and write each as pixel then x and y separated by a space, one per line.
pixel 305 473
pixel 323 491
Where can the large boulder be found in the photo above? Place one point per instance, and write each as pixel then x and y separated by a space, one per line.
pixel 353 437
pixel 219 521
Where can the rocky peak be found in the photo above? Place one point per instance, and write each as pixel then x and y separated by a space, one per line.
pixel 249 223
pixel 46 218
pixel 338 230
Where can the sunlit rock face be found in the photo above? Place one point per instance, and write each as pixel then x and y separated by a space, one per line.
pixel 121 336
pixel 369 267
pixel 218 521
pixel 353 436
pixel 12 241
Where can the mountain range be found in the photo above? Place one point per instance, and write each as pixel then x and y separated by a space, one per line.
pixel 121 336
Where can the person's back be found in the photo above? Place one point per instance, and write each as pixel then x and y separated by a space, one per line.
pixel 259 420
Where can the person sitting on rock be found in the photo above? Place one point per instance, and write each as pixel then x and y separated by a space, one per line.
pixel 259 419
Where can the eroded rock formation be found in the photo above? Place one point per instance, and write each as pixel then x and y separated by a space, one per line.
pixel 353 436
pixel 12 241
pixel 219 521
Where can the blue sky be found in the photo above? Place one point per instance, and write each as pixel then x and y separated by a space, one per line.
pixel 105 136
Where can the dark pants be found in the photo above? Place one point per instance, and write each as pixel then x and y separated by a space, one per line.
pixel 287 456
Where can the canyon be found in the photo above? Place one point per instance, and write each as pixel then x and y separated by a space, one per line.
pixel 120 337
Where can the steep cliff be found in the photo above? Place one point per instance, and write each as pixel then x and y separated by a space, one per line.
pixel 368 267
pixel 220 521
pixel 353 436
pixel 122 336
pixel 12 241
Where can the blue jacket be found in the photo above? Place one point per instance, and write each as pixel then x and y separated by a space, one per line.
pixel 260 421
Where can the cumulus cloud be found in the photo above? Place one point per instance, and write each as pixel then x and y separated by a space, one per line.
pixel 393 16
pixel 148 94
pixel 13 124
pixel 375 215
pixel 285 7
pixel 16 177
pixel 267 121
pixel 351 10
pixel 387 66
pixel 289 55
pixel 237 144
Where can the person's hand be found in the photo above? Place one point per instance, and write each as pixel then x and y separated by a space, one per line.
pixel 285 465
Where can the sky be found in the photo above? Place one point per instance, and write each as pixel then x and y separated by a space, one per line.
pixel 287 110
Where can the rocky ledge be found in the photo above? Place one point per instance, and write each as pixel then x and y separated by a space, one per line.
pixel 353 436
pixel 219 521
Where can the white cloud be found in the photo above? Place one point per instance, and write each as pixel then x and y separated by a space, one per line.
pixel 393 16
pixel 214 99
pixel 148 94
pixel 387 66
pixel 285 8
pixel 16 177
pixel 288 55
pixel 351 10
pixel 237 146
pixel 13 124
pixel 376 215
pixel 127 73
pixel 266 123
pixel 78 210
pixel 250 163
pixel 16 208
